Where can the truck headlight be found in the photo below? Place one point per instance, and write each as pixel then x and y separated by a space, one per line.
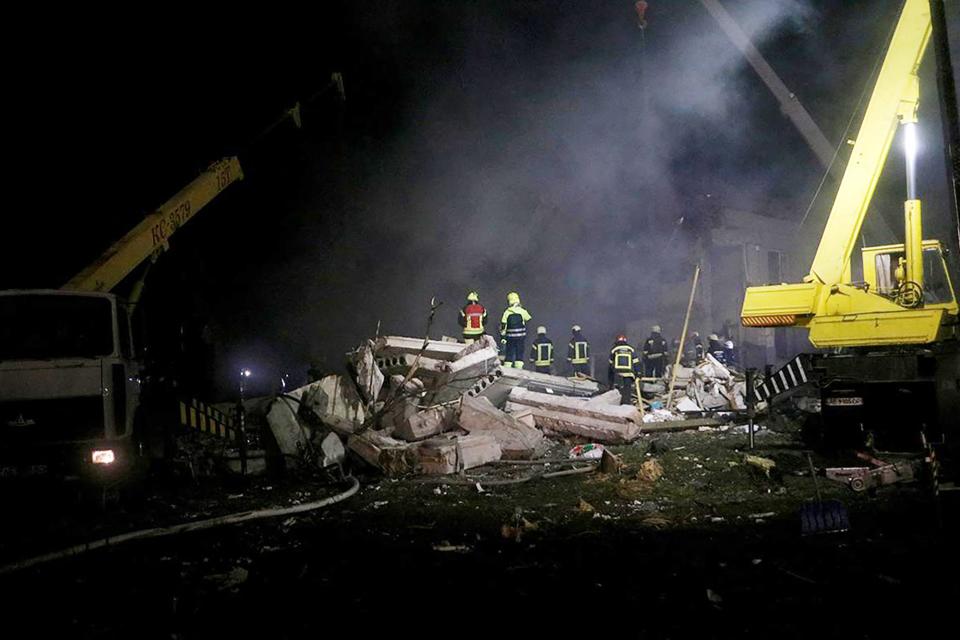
pixel 103 457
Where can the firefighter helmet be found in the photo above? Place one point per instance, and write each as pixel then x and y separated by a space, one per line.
pixel 473 297
pixel 713 336
pixel 655 328
pixel 575 328
pixel 541 330
pixel 621 338
pixel 513 298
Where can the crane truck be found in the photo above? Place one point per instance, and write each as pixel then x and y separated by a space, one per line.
pixel 888 372
pixel 69 373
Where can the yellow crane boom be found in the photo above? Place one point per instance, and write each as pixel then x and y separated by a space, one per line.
pixel 153 233
pixel 894 305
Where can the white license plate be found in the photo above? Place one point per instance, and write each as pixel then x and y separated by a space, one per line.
pixel 845 402
pixel 21 472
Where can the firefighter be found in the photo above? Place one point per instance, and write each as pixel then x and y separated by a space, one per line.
pixel 697 347
pixel 729 354
pixel 578 352
pixel 513 331
pixel 654 353
pixel 692 350
pixel 541 351
pixel 473 318
pixel 623 368
pixel 717 348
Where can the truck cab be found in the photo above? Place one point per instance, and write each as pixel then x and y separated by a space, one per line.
pixel 69 385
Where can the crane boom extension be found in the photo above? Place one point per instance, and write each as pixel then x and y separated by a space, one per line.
pixel 894 99
pixel 153 233
pixel 896 304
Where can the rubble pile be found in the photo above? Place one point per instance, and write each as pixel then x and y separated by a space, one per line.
pixel 710 386
pixel 437 407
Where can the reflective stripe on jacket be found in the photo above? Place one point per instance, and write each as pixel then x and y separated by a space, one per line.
pixel 623 359
pixel 578 351
pixel 541 352
pixel 473 317
pixel 513 323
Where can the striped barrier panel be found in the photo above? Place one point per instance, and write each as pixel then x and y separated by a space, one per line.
pixel 198 415
pixel 789 376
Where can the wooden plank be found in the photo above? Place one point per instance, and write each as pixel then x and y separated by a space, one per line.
pixel 679 425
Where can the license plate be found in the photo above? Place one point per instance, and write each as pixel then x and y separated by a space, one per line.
pixel 844 402
pixel 23 472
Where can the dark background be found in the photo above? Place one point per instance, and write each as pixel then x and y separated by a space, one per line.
pixel 541 147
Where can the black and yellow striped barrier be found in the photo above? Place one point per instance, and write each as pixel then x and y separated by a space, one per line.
pixel 206 419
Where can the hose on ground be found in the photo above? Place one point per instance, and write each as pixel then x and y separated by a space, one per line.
pixel 500 483
pixel 159 532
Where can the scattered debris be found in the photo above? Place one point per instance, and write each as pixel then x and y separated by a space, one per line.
pixel 650 471
pixel 764 464
pixel 590 451
pixel 446 547
pixel 610 463
pixel 585 507
pixel 515 532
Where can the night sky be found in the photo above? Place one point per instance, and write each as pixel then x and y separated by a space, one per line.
pixel 541 147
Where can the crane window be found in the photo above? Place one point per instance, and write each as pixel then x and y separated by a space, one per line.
pixel 42 327
pixel 936 287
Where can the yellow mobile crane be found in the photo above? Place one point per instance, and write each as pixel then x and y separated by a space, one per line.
pixel 69 376
pixel 895 367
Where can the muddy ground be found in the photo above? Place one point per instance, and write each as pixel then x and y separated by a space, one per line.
pixel 713 547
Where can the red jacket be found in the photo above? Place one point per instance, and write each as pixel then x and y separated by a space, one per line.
pixel 473 318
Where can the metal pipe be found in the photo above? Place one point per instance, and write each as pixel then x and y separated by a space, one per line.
pixel 751 403
pixel 910 156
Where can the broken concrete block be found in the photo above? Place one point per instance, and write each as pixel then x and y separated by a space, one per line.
pixel 397 345
pixel 438 457
pixel 575 406
pixel 477 449
pixel 424 423
pixel 712 368
pixel 686 404
pixel 485 342
pixel 442 456
pixel 332 450
pixel 291 434
pixel 611 397
pixel 393 457
pixel 517 440
pixel 334 401
pixel 462 374
pixel 496 386
pixel 369 377
pixel 523 414
pixel 427 368
pixel 595 429
pixel 403 404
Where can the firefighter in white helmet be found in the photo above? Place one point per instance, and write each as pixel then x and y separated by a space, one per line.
pixel 541 351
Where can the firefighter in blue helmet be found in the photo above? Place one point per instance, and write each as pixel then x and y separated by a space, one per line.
pixel 654 353
pixel 623 368
pixel 513 331
pixel 578 352
pixel 541 351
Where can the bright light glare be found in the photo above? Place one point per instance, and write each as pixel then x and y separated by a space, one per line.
pixel 103 457
pixel 910 144
pixel 246 373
